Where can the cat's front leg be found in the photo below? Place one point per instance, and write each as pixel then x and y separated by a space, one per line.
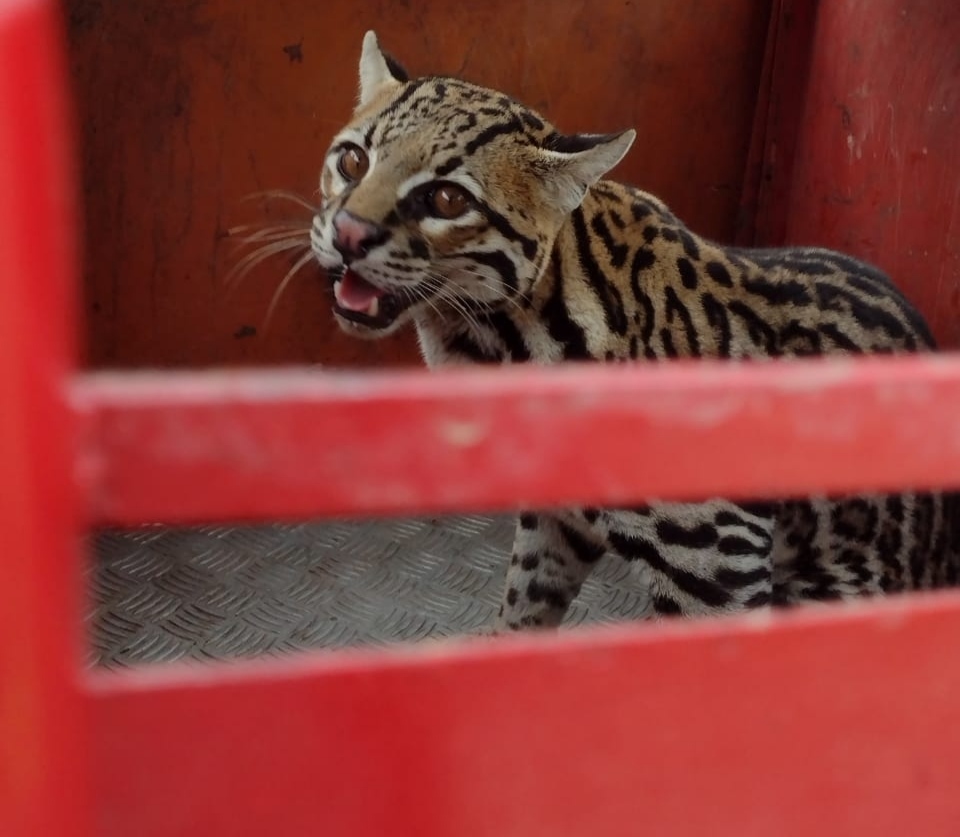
pixel 553 553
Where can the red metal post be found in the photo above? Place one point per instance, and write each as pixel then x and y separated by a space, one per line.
pixel 42 768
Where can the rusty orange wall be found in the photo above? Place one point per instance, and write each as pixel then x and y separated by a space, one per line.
pixel 185 108
pixel 876 171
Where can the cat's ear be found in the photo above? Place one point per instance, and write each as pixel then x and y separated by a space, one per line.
pixel 572 164
pixel 376 68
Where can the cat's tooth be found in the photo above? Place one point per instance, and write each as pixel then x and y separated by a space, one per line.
pixel 336 290
pixel 374 308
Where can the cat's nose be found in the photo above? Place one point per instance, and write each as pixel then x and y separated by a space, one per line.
pixel 354 237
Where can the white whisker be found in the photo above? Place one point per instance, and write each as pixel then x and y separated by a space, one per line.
pixel 249 233
pixel 281 194
pixel 462 293
pixel 444 293
pixel 244 266
pixel 496 287
pixel 298 265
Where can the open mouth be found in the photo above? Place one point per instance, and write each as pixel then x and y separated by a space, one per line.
pixel 361 302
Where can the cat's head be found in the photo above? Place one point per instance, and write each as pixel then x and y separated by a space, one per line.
pixel 439 194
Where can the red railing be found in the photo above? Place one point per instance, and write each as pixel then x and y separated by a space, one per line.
pixel 296 443
pixel 837 720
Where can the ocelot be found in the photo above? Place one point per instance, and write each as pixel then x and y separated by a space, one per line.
pixel 457 209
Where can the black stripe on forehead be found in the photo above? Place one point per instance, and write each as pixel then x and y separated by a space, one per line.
pixel 468 101
pixel 450 165
pixel 382 119
pixel 512 125
pixel 408 93
pixel 420 105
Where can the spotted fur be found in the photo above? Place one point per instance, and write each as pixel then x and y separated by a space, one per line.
pixel 548 263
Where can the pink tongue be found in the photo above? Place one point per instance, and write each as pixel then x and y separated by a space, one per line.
pixel 356 293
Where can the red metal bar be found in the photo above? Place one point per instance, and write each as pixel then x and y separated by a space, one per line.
pixel 41 771
pixel 192 447
pixel 838 721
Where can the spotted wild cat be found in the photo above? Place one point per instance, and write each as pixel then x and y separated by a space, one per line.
pixel 459 210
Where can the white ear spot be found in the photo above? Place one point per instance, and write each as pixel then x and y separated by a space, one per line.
pixel 572 173
pixel 374 71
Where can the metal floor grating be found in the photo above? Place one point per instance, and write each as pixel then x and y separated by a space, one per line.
pixel 163 594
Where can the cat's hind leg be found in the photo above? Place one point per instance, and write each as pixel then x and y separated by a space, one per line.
pixel 703 558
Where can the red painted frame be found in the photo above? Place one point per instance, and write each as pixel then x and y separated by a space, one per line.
pixel 835 721
pixel 41 712
pixel 298 444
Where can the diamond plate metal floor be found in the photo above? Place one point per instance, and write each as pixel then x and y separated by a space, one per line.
pixel 210 593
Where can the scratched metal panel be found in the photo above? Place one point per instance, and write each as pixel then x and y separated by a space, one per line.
pixel 216 592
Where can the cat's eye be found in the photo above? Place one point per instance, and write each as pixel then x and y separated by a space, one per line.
pixel 448 201
pixel 353 162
